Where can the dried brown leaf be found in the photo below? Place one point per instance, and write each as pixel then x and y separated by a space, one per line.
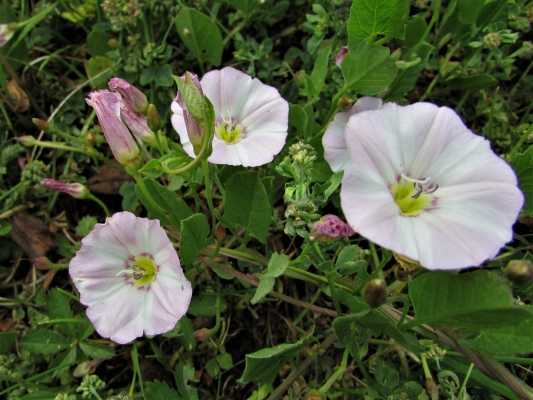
pixel 31 234
pixel 19 98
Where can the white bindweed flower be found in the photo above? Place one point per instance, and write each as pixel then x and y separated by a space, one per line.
pixel 251 119
pixel 335 151
pixel 129 275
pixel 424 186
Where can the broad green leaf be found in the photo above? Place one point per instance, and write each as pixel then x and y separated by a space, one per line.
pixel 129 199
pixel 474 300
pixel 315 81
pixel 58 307
pixel 41 341
pixel 368 67
pixel 5 228
pixel 414 31
pixel 225 361
pixel 182 374
pixel 301 118
pixel 157 390
pixel 469 10
pixel 163 75
pixel 370 18
pixel 194 231
pixel 200 35
pixel 86 225
pixel 265 363
pixel 503 341
pixel 97 65
pixel 63 360
pixel 407 78
pixel 169 201
pixel 346 255
pixel 523 166
pixel 246 6
pixel 204 304
pixel 474 82
pixel 97 351
pixel 147 75
pixel 212 367
pixel 266 284
pixel 6 340
pixel 152 169
pixel 247 204
pixel 276 266
pixel 97 42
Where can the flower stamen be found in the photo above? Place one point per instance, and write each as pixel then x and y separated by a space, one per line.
pixel 413 199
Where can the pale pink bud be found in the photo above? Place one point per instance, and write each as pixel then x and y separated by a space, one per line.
pixel 330 228
pixel 27 140
pixel 107 107
pixel 194 130
pixel 137 123
pixel 6 32
pixel 76 190
pixel 131 94
pixel 341 55
pixel 41 263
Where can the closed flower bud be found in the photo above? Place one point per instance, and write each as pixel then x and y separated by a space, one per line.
pixel 6 32
pixel 341 55
pixel 76 190
pixel 220 232
pixel 519 271
pixel 107 107
pixel 131 94
pixel 330 228
pixel 188 100
pixel 202 335
pixel 137 123
pixel 492 40
pixel 345 103
pixel 41 124
pixel 314 395
pixel 375 293
pixel 27 140
pixel 154 122
pixel 41 263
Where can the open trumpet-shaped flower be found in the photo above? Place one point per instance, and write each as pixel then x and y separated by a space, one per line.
pixel 251 119
pixel 423 185
pixel 129 276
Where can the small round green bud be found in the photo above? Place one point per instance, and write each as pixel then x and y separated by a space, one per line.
pixel 154 122
pixel 27 140
pixel 202 335
pixel 314 395
pixel 519 271
pixel 492 40
pixel 375 293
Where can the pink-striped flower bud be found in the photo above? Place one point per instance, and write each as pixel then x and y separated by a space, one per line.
pixel 137 123
pixel 341 55
pixel 76 190
pixel 131 94
pixel 41 263
pixel 107 107
pixel 27 140
pixel 330 228
pixel 195 95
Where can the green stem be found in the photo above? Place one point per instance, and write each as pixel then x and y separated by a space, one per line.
pixel 100 203
pixel 337 374
pixel 137 369
pixel 14 189
pixel 463 386
pixel 208 190
pixel 95 393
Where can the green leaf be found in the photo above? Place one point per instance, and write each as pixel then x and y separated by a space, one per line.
pixel 152 169
pixel 147 75
pixel 523 166
pixel 247 204
pixel 167 200
pixel 474 300
pixel 266 284
pixel 129 199
pixel 163 75
pixel 368 67
pixel 263 364
pixel 370 18
pixel 64 360
pixel 315 82
pixel 407 78
pixel 97 351
pixel 474 82
pixel 5 228
pixel 97 65
pixel 204 304
pixel 58 307
pixel 97 41
pixel 40 341
pixel 200 35
pixel 157 390
pixel 86 225
pixel 212 367
pixel 414 31
pixel 245 6
pixel 469 10
pixel 346 255
pixel 182 374
pixel 194 231
pixel 6 340
pixel 225 361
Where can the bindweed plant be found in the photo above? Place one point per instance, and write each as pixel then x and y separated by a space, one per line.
pixel 266 199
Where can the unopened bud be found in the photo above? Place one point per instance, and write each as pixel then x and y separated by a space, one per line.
pixel 154 122
pixel 519 271
pixel 375 293
pixel 220 232
pixel 112 42
pixel 202 335
pixel 341 55
pixel 330 228
pixel 345 103
pixel 6 32
pixel 41 124
pixel 27 140
pixel 41 263
pixel 76 190
pixel 492 40
pixel 131 94
pixel 314 395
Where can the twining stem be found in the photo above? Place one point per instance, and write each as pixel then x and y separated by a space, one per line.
pixel 135 359
pixel 208 190
pixel 100 203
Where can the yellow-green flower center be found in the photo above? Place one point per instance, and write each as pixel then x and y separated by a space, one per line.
pixel 229 132
pixel 413 196
pixel 142 269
